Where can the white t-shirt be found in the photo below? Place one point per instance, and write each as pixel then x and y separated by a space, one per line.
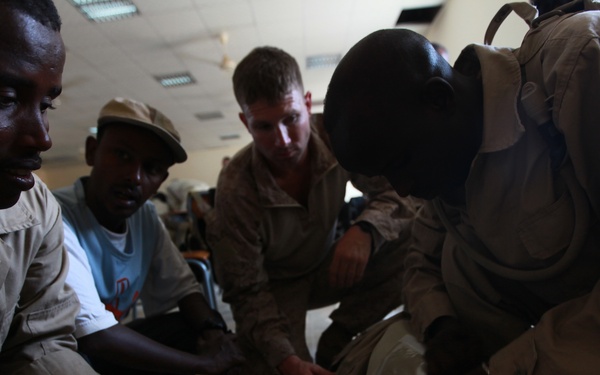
pixel 93 316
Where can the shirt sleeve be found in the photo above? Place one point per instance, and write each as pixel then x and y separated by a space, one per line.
pixel 93 316
pixel 232 233
pixel 424 290
pixel 170 278
pixel 391 215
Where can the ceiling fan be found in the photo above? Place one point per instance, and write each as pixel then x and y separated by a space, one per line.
pixel 225 63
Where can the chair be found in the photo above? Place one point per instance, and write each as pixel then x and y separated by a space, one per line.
pixel 199 261
pixel 197 253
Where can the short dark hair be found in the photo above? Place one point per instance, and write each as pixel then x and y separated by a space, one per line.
pixel 43 11
pixel 265 73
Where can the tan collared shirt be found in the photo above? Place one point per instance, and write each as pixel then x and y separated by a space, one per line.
pixel 37 309
pixel 520 211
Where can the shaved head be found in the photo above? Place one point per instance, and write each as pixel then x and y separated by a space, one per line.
pixel 381 77
pixel 392 109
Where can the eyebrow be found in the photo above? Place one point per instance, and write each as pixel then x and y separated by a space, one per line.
pixel 12 80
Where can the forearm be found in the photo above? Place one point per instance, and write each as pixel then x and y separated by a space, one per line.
pixel 261 323
pixel 131 349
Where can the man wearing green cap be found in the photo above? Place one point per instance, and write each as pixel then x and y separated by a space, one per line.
pixel 120 251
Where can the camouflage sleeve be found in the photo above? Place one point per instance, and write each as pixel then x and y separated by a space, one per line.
pixel 233 235
pixel 391 215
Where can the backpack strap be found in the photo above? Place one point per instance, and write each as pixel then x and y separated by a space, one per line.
pixel 524 10
pixel 537 108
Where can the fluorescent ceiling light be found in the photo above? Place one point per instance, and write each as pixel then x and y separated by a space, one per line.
pixel 323 61
pixel 105 10
pixel 175 80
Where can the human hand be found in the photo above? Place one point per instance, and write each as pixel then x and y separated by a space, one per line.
pixel 293 365
pixel 221 349
pixel 453 350
pixel 350 257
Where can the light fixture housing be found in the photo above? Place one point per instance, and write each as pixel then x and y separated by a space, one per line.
pixel 105 10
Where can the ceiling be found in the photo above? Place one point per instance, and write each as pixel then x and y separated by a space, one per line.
pixel 121 58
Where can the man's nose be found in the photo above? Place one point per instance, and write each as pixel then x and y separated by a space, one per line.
pixel 135 173
pixel 283 136
pixel 34 131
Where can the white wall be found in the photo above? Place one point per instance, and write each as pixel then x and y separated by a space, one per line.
pixel 463 22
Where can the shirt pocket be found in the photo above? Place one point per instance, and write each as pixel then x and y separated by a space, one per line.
pixel 550 230
pixel 57 320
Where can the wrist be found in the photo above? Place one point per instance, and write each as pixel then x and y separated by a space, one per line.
pixel 365 226
pixel 369 229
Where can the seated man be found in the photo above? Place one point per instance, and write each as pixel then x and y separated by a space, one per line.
pixel 274 220
pixel 37 309
pixel 504 265
pixel 120 251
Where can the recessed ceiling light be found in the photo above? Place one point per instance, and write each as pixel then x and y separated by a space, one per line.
pixel 105 10
pixel 175 80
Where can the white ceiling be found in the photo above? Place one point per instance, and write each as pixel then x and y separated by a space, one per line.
pixel 121 58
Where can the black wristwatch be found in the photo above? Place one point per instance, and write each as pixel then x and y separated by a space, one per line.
pixel 365 226
pixel 215 321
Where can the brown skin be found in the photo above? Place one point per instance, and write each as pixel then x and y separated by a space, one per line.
pixel 32 57
pixel 129 164
pixel 396 108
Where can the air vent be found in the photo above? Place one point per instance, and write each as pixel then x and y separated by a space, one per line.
pixel 227 137
pixel 418 15
pixel 207 116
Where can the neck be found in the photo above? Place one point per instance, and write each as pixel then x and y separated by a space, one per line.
pixel 113 225
pixel 295 180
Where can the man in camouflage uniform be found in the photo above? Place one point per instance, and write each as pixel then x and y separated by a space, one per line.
pixel 272 229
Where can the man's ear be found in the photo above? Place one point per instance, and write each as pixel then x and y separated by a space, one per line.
pixel 242 117
pixel 91 143
pixel 439 95
pixel 308 101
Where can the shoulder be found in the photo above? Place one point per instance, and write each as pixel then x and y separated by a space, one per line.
pixel 65 195
pixel 580 25
pixel 237 180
